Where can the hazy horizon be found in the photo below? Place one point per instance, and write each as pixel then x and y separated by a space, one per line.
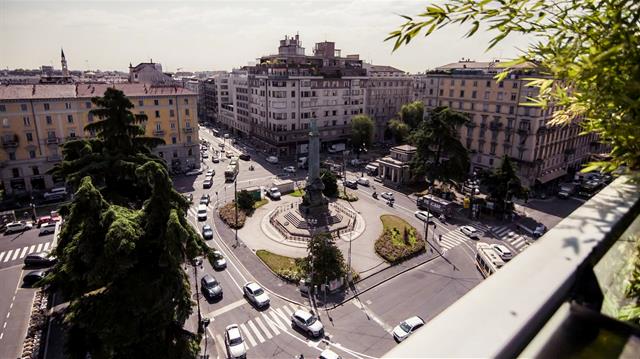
pixel 221 35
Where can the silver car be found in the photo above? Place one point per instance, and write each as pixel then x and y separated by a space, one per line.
pixel 307 322
pixel 256 295
pixel 234 342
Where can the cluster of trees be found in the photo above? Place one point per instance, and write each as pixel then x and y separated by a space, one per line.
pixel 125 239
pixel 324 261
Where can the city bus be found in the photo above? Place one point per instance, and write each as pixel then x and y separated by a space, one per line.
pixel 231 172
pixel 488 260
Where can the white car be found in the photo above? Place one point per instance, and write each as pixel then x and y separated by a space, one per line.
pixel 194 172
pixel 14 227
pixel 290 169
pixel 205 155
pixel 363 181
pixel 256 295
pixel 202 212
pixel 234 342
pixel 328 354
pixel 272 159
pixel 210 173
pixel 406 328
pixel 274 193
pixel 470 232
pixel 423 215
pixel 503 251
pixel 47 228
pixel 388 196
pixel 307 322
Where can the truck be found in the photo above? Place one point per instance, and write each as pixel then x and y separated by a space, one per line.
pixel 336 147
pixel 435 205
pixel 531 226
pixel 284 186
pixel 303 162
pixel 231 172
pixel 566 190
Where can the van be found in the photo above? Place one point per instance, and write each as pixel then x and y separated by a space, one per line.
pixel 202 212
pixel 56 193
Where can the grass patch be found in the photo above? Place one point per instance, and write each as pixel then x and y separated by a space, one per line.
pixel 228 215
pixel 297 193
pixel 287 268
pixel 399 240
pixel 260 203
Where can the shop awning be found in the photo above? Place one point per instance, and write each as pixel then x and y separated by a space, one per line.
pixel 551 175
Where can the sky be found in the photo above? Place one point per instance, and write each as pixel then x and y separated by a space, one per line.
pixel 221 35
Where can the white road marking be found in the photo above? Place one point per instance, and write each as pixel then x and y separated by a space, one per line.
pixel 24 251
pixel 381 323
pixel 39 248
pixel 282 315
pixel 46 246
pixel 32 249
pixel 1 255
pixel 288 311
pixel 220 343
pixel 276 319
pixel 248 335
pixel 15 254
pixel 269 322
pixel 263 327
pixel 255 331
pixel 226 308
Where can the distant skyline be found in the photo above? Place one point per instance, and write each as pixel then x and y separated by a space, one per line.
pixel 221 35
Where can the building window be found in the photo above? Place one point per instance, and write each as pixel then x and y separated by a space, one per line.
pixel 498 108
pixel 36 170
pixel 515 85
pixel 29 137
pixel 23 107
pixel 157 114
pixel 3 108
pixel 140 103
pixel 156 102
pixel 69 118
pixel 488 83
pixel 474 94
pixel 174 140
pixel 173 125
pixel 501 84
pixel 450 92
pixel 461 93
pixel 87 104
pixel 473 106
pixel 475 83
pixel 46 107
pixel 90 117
pixel 485 107
pixel 172 113
pixel 441 92
pixel 190 152
pixel 463 82
pixel 493 149
pixel 48 119
pixel 27 121
pixel 453 82
pixel 500 96
pixel 511 110
pixel 170 101
pixel 513 97
pixel 186 111
pixel 158 127
pixel 486 95
pixel 32 154
pixel 15 171
pixel 67 105
pixel 175 154
pixel 186 101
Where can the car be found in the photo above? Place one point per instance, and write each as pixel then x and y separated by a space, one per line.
pixel 43 220
pixel 197 261
pixel 15 227
pixel 189 197
pixel 205 199
pixel 274 193
pixel 210 173
pixel 256 295
pixel 289 169
pixel 55 194
pixel 219 262
pixel 388 196
pixel 221 145
pixel 210 287
pixel 233 341
pixel 308 323
pixel 329 354
pixel 407 327
pixel 47 228
pixel 194 172
pixel 202 213
pixel 470 232
pixel 32 278
pixel 215 159
pixel 351 184
pixel 207 232
pixel 363 181
pixel 41 259
pixel 55 216
pixel 245 156
pixel 423 215
pixel 207 183
pixel 229 154
pixel 205 155
pixel 503 251
pixel 272 159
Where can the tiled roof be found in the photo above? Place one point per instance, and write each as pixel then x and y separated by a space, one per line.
pixel 381 68
pixel 51 91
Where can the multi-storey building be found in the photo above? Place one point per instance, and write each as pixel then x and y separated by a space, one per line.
pixel 149 72
pixel 37 119
pixel 208 99
pixel 387 89
pixel 500 125
pixel 273 101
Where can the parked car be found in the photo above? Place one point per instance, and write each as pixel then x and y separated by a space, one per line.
pixel 245 156
pixel 388 196
pixel 424 215
pixel 290 169
pixel 256 295
pixel 503 252
pixel 207 232
pixel 55 194
pixel 15 227
pixel 351 184
pixel 215 159
pixel 308 323
pixel 210 287
pixel 205 199
pixel 234 342
pixel 272 159
pixel 329 354
pixel 194 172
pixel 210 173
pixel 363 181
pixel 43 220
pixel 219 263
pixel 41 259
pixel 274 193
pixel 47 228
pixel 407 327
pixel 229 154
pixel 205 155
pixel 207 183
pixel 470 232
pixel 32 278
pixel 202 212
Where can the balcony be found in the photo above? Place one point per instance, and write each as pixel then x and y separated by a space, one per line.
pixel 158 132
pixel 53 141
pixel 556 299
pixel 10 142
pixel 494 126
pixel 187 130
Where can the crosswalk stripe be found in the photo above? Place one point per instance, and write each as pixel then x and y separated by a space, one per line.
pixel 15 254
pixel 46 246
pixel 263 327
pixel 255 331
pixel 294 306
pixel 282 315
pixel 269 322
pixel 6 259
pixel 1 255
pixel 24 251
pixel 248 335
pixel 277 320
pixel 32 248
pixel 288 311
pixel 39 248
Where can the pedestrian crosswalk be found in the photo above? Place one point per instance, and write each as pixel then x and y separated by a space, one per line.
pixel 505 233
pixel 19 253
pixel 454 238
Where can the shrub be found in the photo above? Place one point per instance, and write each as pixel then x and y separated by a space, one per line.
pixel 228 215
pixel 399 240
pixel 245 201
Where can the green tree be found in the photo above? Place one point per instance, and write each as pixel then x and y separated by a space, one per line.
pixel 362 129
pixel 503 184
pixel 412 114
pixel 120 251
pixel 330 183
pixel 245 201
pixel 399 130
pixel 440 154
pixel 588 50
pixel 324 261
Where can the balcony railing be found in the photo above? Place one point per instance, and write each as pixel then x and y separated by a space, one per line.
pixel 187 130
pixel 158 132
pixel 9 143
pixel 53 140
pixel 546 301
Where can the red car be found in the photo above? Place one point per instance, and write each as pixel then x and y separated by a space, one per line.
pixel 42 220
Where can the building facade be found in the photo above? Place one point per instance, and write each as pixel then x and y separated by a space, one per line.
pixel 500 125
pixel 37 119
pixel 395 169
pixel 149 72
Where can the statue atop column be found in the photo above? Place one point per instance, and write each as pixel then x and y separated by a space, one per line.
pixel 314 201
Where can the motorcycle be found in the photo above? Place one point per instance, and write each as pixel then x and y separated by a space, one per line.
pixel 390 203
pixel 375 195
pixel 251 168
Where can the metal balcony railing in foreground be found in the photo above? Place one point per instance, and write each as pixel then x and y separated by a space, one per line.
pixel 559 298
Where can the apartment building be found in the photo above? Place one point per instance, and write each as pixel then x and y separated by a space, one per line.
pixel 37 119
pixel 386 90
pixel 273 101
pixel 149 72
pixel 500 125
pixel 208 99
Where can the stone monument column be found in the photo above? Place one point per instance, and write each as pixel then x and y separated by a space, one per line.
pixel 314 202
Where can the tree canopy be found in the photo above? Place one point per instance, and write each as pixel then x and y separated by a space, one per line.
pixel 503 184
pixel 587 51
pixel 325 258
pixel 330 182
pixel 362 129
pixel 120 252
pixel 399 130
pixel 412 114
